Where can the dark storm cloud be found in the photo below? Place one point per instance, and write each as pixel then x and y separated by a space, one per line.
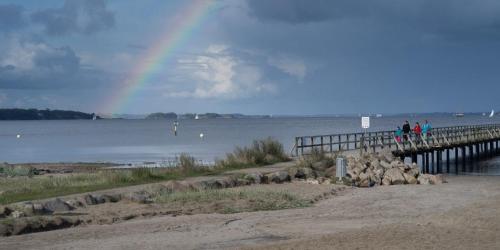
pixel 11 17
pixel 75 16
pixel 452 18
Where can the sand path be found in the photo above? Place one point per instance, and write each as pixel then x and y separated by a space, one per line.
pixel 462 214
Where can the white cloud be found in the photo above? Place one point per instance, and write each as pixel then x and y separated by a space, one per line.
pixel 291 66
pixel 218 73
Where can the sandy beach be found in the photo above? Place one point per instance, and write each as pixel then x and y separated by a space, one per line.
pixel 461 214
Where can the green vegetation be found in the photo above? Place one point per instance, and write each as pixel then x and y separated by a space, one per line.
pixel 234 200
pixel 25 187
pixel 317 155
pixel 262 152
pixel 47 114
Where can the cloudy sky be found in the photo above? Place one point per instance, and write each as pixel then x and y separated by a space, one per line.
pixel 254 56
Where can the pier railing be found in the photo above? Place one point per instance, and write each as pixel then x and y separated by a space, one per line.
pixel 440 137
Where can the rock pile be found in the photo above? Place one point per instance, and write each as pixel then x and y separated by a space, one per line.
pixel 384 169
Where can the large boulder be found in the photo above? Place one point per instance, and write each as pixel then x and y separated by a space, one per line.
pixel 410 179
pixel 395 176
pixel 254 178
pixel 138 197
pixel 436 179
pixel 364 180
pixel 4 211
pixel 304 173
pixel 385 164
pixel 424 179
pixel 279 177
pixel 56 205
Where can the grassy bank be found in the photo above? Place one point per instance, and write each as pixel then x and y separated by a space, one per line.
pixel 22 185
pixel 233 200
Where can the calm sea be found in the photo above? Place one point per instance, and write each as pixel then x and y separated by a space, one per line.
pixel 136 141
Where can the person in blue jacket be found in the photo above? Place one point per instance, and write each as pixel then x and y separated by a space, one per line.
pixel 426 130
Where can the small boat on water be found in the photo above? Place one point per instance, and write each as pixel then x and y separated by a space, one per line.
pixel 492 113
pixel 379 115
pixel 196 117
pixel 459 115
pixel 94 117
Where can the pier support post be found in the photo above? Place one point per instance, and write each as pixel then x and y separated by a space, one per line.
pixel 448 161
pixel 433 167
pixel 456 160
pixel 464 158
pixel 427 163
pixel 439 161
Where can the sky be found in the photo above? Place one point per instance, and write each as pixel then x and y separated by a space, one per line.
pixel 251 56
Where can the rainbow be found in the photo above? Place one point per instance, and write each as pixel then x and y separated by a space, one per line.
pixel 175 35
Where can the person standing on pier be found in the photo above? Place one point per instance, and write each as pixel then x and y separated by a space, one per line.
pixel 406 130
pixel 398 134
pixel 426 130
pixel 418 132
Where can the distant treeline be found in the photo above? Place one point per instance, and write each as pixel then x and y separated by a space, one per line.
pixel 47 114
pixel 171 115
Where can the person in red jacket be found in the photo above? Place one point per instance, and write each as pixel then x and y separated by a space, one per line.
pixel 418 132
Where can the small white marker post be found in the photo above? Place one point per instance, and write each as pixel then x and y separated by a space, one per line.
pixel 365 124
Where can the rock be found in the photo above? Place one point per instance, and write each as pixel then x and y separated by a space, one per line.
pixel 56 205
pixel 242 182
pixel 312 181
pixel 331 172
pixel 395 176
pixel 424 179
pixel 4 211
pixel 386 181
pixel 364 180
pixel 107 198
pixel 410 179
pixel 17 214
pixel 413 171
pixel 279 177
pixel 212 184
pixel 398 164
pixel 375 164
pixel 304 173
pixel 385 164
pixel 436 179
pixel 19 227
pixel 4 229
pixel 89 199
pixel 76 203
pixel 139 197
pixel 254 178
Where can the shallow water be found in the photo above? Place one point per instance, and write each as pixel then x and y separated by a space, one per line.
pixel 135 141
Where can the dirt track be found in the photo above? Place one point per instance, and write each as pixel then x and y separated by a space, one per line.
pixel 462 214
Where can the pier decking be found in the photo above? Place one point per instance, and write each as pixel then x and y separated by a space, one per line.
pixel 467 143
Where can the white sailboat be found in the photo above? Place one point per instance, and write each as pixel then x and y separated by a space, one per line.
pixel 196 117
pixel 492 113
pixel 94 117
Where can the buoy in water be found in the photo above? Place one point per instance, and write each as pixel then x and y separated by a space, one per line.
pixel 18 136
pixel 201 135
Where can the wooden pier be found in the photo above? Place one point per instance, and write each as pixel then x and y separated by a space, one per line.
pixel 460 145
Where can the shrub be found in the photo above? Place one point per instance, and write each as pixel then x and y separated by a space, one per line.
pixel 261 152
pixel 187 163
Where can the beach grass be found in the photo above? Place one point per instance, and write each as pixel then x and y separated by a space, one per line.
pixel 20 186
pixel 233 200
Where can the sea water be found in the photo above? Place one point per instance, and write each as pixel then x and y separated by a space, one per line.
pixel 137 141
